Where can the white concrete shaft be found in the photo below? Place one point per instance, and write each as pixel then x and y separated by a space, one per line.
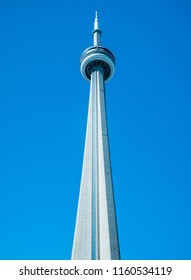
pixel 96 230
pixel 97 38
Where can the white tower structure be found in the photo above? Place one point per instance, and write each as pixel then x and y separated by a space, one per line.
pixel 96 236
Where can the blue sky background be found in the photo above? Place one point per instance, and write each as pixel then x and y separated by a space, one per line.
pixel 43 111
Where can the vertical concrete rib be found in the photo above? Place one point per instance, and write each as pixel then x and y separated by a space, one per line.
pixel 94 166
pixel 82 244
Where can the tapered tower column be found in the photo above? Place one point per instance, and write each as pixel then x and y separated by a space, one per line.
pixel 96 236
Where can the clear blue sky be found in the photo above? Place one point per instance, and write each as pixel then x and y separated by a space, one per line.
pixel 43 111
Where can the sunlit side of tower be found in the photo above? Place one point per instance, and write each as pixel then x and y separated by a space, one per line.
pixel 96 236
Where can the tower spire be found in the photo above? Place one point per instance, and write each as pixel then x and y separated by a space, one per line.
pixel 96 32
pixel 96 21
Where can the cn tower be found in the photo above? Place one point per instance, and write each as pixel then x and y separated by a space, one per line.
pixel 96 236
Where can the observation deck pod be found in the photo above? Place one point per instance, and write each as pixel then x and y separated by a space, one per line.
pixel 95 57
